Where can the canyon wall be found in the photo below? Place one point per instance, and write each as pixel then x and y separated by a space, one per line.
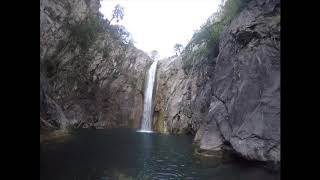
pixel 229 97
pixel 89 75
pixel 226 96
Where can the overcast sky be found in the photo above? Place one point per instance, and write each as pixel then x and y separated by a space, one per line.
pixel 159 24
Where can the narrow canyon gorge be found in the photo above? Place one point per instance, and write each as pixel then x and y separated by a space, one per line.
pixel 224 93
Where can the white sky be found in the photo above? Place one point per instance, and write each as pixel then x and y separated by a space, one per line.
pixel 159 24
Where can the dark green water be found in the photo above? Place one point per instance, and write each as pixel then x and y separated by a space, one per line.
pixel 125 154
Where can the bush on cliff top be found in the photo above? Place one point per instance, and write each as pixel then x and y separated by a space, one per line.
pixel 86 32
pixel 209 33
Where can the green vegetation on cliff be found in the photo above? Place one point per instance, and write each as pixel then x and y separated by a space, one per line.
pixel 205 42
pixel 86 32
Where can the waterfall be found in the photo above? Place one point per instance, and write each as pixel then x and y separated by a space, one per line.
pixel 146 123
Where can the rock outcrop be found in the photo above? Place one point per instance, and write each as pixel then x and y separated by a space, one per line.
pixel 231 98
pixel 89 76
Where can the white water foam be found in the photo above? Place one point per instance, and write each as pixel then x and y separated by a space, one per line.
pixel 146 124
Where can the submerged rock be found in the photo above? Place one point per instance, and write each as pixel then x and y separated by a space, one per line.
pixel 57 136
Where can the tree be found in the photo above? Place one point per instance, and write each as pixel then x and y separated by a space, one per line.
pixel 178 48
pixel 154 54
pixel 121 32
pixel 117 13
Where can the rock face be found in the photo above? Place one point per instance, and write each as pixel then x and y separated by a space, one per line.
pixel 233 98
pixel 181 99
pixel 88 75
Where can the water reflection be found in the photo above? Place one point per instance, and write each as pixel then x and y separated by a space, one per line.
pixel 126 154
pixel 146 160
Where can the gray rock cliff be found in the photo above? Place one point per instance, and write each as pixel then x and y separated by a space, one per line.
pixel 89 76
pixel 231 98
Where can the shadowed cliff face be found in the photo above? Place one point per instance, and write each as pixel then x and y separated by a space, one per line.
pixel 88 75
pixel 233 98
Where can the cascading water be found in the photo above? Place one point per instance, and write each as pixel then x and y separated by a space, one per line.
pixel 146 124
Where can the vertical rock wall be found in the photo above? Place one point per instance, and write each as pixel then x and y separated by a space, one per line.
pixel 233 98
pixel 89 77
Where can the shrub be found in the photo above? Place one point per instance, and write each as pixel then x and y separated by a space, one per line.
pixel 86 32
pixel 191 58
pixel 232 8
pixel 178 48
pixel 209 32
pixel 120 32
